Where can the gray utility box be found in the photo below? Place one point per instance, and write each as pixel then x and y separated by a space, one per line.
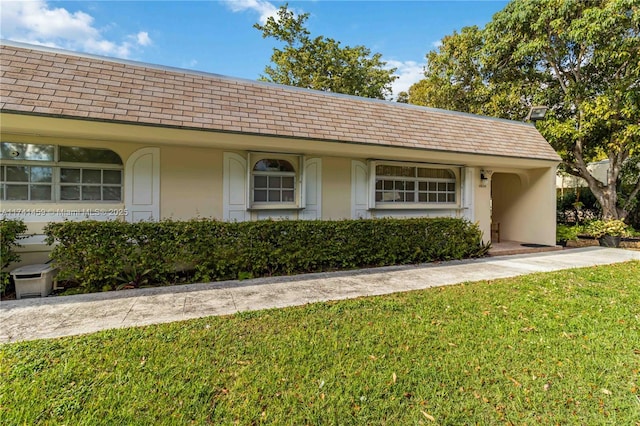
pixel 33 280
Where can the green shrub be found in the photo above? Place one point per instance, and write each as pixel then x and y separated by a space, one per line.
pixel 99 254
pixel 11 230
pixel 566 233
pixel 600 228
pixel 110 254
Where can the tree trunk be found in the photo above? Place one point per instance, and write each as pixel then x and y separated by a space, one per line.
pixel 606 194
pixel 608 199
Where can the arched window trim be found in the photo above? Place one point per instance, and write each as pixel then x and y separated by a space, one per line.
pixel 274 189
pixel 273 165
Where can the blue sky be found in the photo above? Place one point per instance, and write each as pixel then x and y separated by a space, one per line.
pixel 218 36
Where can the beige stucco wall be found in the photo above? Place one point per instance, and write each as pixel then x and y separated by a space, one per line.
pixel 507 190
pixel 336 188
pixel 482 205
pixel 190 183
pixel 524 204
pixel 191 172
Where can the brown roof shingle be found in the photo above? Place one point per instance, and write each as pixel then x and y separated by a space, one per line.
pixel 45 81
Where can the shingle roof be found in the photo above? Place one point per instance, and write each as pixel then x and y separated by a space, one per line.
pixel 50 82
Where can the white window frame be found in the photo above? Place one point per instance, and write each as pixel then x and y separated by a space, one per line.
pixel 416 204
pixel 82 168
pixel 297 161
pixel 56 166
pixel 29 184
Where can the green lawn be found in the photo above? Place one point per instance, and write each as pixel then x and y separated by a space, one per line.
pixel 557 348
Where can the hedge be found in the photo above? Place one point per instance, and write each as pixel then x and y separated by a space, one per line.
pixel 11 230
pixel 106 255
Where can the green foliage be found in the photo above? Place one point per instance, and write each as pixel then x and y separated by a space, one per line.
pixel 103 255
pixel 544 349
pixel 580 58
pixel 600 228
pixel 11 230
pixel 567 233
pixel 321 63
pixel 576 206
pixel 107 254
pixel 634 216
pixel 455 78
pixel 633 233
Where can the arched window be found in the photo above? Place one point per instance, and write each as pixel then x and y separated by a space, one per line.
pixel 33 172
pixel 273 182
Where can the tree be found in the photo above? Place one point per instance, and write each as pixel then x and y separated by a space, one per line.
pixel 581 58
pixel 322 63
pixel 454 78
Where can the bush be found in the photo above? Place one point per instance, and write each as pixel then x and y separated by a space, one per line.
pixel 11 231
pixel 104 254
pixel 566 233
pixel 600 228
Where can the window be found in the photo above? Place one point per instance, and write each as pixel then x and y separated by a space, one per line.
pixel 90 184
pixel 26 183
pixel 273 182
pixel 31 172
pixel 414 184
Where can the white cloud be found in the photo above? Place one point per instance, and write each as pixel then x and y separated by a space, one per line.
pixel 408 72
pixel 436 44
pixel 37 22
pixel 263 7
pixel 143 39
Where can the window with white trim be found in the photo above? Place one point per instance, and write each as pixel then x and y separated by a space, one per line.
pixel 273 182
pixel 33 172
pixel 408 184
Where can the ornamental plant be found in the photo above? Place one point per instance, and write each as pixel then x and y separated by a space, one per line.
pixel 11 230
pixel 600 228
pixel 104 255
pixel 567 233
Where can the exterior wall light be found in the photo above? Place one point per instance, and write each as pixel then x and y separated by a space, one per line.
pixel 485 175
pixel 537 113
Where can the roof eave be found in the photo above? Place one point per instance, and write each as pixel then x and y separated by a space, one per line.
pixel 555 160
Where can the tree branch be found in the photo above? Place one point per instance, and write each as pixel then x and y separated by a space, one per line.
pixel 550 53
pixel 581 167
pixel 616 75
pixel 577 70
pixel 559 76
pixel 572 169
pixel 616 160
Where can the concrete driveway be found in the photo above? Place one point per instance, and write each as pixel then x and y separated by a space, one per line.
pixel 58 316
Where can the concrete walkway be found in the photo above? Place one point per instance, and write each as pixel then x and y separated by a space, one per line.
pixel 49 317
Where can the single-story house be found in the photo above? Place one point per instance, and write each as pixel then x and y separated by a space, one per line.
pixel 85 136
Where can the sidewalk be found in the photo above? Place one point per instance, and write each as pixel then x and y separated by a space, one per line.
pixel 58 316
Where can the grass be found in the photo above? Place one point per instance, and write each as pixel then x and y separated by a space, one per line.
pixel 556 348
